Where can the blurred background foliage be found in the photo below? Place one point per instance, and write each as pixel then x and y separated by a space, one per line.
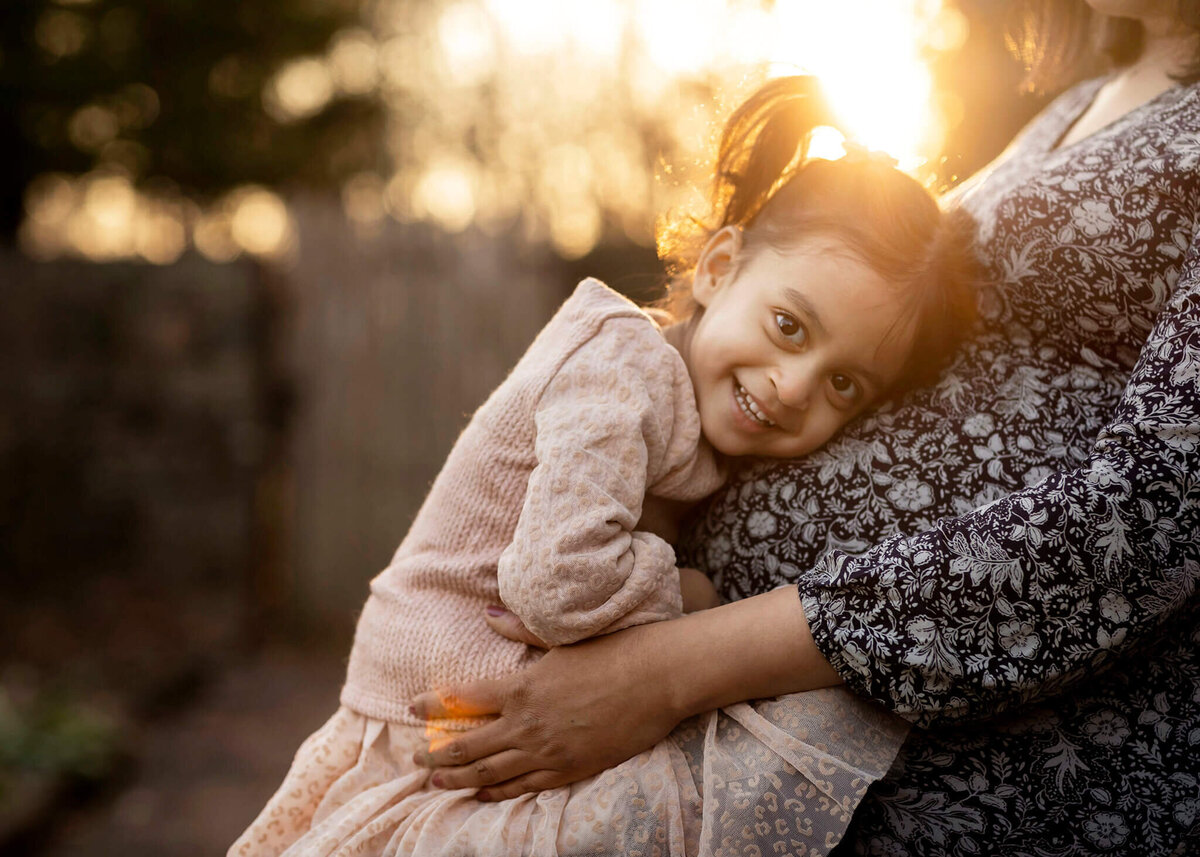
pixel 128 114
pixel 146 127
pixel 170 89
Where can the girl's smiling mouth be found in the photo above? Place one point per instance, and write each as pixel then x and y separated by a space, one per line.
pixel 750 407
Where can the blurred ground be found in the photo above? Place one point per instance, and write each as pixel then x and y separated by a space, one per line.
pixel 204 770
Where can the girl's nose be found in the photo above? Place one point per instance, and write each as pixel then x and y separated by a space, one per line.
pixel 795 385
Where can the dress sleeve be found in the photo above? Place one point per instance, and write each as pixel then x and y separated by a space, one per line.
pixel 958 621
pixel 606 429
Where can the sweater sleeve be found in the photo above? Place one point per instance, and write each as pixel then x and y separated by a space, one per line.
pixel 955 621
pixel 606 429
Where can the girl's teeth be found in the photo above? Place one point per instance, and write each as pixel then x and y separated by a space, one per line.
pixel 749 408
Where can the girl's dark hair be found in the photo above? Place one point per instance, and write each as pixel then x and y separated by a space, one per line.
pixel 1059 41
pixel 765 185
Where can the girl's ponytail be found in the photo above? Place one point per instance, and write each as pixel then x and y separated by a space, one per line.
pixel 763 142
pixel 763 145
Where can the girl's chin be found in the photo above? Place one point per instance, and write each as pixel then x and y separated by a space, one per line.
pixel 730 443
pixel 741 446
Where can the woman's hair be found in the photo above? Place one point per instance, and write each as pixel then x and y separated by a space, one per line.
pixel 766 185
pixel 1059 41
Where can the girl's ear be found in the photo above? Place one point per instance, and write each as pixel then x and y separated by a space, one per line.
pixel 715 266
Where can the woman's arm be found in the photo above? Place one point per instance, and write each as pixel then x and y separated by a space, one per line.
pixel 584 708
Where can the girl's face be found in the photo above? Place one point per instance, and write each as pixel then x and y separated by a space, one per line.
pixel 789 346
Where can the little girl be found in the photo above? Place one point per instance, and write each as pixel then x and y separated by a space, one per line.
pixel 821 287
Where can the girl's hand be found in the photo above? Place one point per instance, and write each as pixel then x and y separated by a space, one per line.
pixel 558 720
pixel 506 624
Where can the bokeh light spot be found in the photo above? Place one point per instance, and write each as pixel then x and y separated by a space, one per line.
pixel 50 198
pixel 259 223
pixel 61 33
pixel 446 194
pixel 160 236
pixel 213 237
pixel 91 127
pixel 947 31
pixel 467 44
pixel 137 106
pixel 567 121
pixel 300 89
pixel 354 62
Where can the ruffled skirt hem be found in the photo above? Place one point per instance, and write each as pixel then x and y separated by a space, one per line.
pixel 781 776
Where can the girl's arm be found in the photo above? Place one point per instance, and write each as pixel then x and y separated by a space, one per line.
pixel 616 419
pixel 586 707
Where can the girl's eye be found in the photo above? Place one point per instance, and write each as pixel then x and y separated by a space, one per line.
pixel 791 328
pixel 845 387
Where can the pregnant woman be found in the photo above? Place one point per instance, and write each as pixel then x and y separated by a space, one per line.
pixel 1008 560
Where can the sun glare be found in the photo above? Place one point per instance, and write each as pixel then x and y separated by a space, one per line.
pixel 867 55
pixel 557 116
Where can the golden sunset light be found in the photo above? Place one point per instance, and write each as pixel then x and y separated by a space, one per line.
pixel 623 87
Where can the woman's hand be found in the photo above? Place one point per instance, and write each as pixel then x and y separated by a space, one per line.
pixel 558 719
pixel 590 706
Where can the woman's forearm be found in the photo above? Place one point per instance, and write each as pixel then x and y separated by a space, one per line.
pixel 586 707
pixel 751 649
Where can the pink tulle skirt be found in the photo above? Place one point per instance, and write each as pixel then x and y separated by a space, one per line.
pixel 778 776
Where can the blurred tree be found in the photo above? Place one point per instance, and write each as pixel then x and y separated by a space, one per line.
pixel 173 91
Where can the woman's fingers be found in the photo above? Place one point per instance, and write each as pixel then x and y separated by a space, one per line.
pixel 506 624
pixel 557 721
pixel 535 781
pixel 485 772
pixel 453 749
pixel 473 699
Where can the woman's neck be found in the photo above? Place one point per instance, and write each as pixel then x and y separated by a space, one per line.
pixel 1166 51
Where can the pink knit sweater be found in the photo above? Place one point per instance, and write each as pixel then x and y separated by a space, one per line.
pixel 538 506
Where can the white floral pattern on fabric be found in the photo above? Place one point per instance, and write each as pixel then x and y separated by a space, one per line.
pixel 1022 541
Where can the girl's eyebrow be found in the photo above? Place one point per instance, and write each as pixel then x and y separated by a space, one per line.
pixel 805 307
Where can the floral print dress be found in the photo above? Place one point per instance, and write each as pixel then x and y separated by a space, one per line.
pixel 1010 558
